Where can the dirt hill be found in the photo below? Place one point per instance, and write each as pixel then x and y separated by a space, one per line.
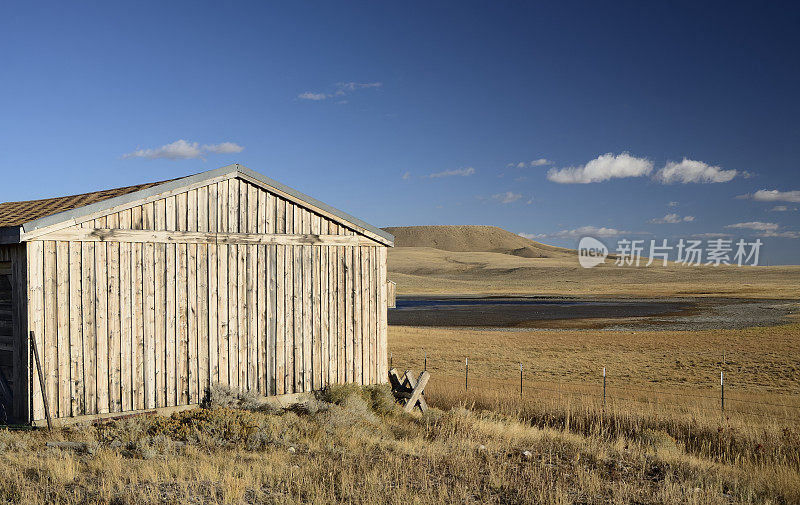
pixel 439 260
pixel 473 239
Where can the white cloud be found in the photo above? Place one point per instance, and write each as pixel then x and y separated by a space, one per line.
pixel 781 234
pixel 602 168
pixel 507 197
pixel 407 176
pixel 541 162
pixel 463 172
pixel 672 219
pixel 783 208
pixel 711 235
pixel 308 95
pixel 184 150
pixel 223 148
pixel 342 89
pixel 672 204
pixel 345 87
pixel 693 171
pixel 755 225
pixel 592 231
pixel 773 195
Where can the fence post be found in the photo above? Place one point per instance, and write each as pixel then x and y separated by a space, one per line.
pixel 426 360
pixel 520 379
pixel 466 373
pixel 722 390
pixel 604 388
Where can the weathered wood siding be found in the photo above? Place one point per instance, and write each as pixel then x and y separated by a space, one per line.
pixel 131 324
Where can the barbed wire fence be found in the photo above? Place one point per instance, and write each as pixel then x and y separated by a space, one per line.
pixel 723 402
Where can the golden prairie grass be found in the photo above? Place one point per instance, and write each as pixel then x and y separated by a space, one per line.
pixel 429 271
pixel 352 446
pixel 761 365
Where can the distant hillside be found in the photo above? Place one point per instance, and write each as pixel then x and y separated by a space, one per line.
pixel 462 238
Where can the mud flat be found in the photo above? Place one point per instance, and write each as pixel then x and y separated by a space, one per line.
pixel 532 312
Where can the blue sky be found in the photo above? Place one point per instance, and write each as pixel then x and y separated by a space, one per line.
pixel 358 104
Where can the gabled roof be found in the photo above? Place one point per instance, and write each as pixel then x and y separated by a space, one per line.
pixel 34 215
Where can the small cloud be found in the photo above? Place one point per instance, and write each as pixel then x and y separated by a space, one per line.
pixel 341 89
pixel 223 148
pixel 530 201
pixel 672 204
pixel 592 231
pixel 345 87
pixel 184 150
pixel 507 197
pixel 407 176
pixel 604 167
pixel 755 225
pixel 688 171
pixel 781 234
pixel 711 235
pixel 783 208
pixel 541 162
pixel 773 195
pixel 461 172
pixel 313 96
pixel 672 219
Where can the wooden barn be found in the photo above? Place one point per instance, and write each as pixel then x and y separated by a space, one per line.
pixel 142 297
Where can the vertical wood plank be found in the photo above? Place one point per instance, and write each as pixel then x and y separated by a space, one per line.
pixel 48 352
pixel 150 308
pixel 192 319
pixel 365 351
pixel 382 330
pixel 280 322
pixel 62 330
pixel 160 294
pixel 137 340
pixel 308 336
pixel 297 302
pixel 253 337
pixel 35 252
pixel 262 299
pixel 358 376
pixel 316 312
pixel 342 315
pixel 203 376
pixel 213 290
pixel 225 375
pixel 233 315
pixel 77 405
pixel 289 318
pixel 348 303
pixel 373 273
pixel 114 321
pixel 242 300
pixel 182 367
pixel 126 316
pixel 89 328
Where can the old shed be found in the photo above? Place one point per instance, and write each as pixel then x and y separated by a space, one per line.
pixel 142 297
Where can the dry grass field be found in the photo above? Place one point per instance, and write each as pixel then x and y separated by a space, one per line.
pixel 487 260
pixel 356 446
